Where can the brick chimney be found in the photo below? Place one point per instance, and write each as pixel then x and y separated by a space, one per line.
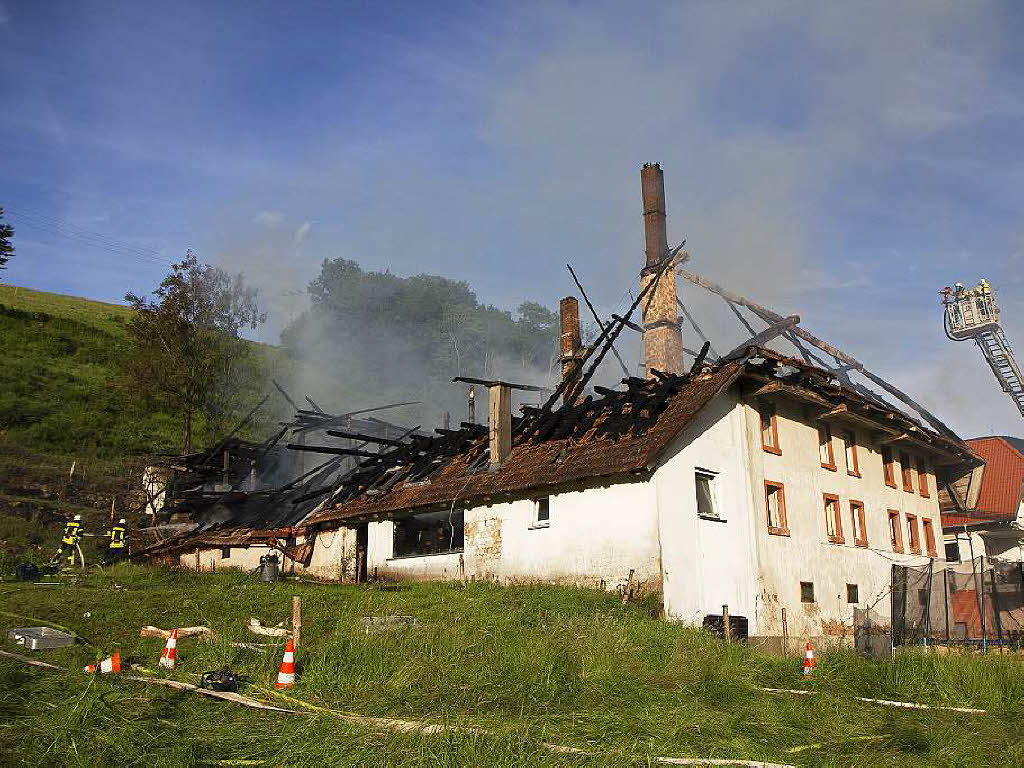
pixel 663 340
pixel 499 423
pixel 569 320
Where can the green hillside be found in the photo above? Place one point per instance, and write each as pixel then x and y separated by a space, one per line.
pixel 57 380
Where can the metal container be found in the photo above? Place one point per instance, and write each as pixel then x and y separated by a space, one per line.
pixel 269 568
pixel 40 638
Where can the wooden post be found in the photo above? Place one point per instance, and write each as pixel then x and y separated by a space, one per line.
pixel 296 620
pixel 726 628
pixel 785 634
pixel 111 510
pixel 197 560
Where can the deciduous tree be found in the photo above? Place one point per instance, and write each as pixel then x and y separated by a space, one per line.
pixel 184 349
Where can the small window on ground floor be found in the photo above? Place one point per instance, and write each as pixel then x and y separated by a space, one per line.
pixel 430 533
pixel 806 591
pixel 707 505
pixel 225 553
pixel 953 551
pixel 542 512
pixel 852 593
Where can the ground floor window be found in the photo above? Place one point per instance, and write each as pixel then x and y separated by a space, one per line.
pixel 852 593
pixel 430 533
pixel 953 551
pixel 806 591
pixel 225 553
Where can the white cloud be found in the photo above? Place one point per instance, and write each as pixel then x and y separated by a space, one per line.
pixel 269 218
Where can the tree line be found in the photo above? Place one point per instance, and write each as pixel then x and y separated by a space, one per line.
pixel 368 337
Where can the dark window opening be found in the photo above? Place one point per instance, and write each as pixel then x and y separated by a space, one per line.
pixel 430 533
pixel 806 591
pixel 953 552
pixel 852 593
pixel 922 597
pixel 225 553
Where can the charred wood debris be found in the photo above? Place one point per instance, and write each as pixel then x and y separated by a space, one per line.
pixel 240 485
pixel 369 456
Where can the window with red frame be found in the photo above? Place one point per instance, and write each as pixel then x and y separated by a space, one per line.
pixel 895 531
pixel 914 534
pixel 775 508
pixel 922 478
pixel 852 463
pixel 828 457
pixel 888 470
pixel 929 537
pixel 769 429
pixel 833 519
pixel 859 523
pixel 908 472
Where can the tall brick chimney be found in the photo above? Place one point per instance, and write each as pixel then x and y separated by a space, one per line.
pixel 663 340
pixel 569 320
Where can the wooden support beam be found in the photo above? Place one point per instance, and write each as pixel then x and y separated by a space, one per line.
pixel 331 450
pixel 838 354
pixel 597 318
pixel 764 336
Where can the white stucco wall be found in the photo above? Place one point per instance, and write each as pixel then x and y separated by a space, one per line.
pixel 806 553
pixel 595 536
pixel 707 563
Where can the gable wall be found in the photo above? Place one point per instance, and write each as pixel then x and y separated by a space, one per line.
pixel 806 553
pixel 707 563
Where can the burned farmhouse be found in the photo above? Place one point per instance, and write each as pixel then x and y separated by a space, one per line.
pixel 772 484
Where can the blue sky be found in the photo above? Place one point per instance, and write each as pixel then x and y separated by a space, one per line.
pixel 839 160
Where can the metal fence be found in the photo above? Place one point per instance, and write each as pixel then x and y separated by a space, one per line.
pixel 978 603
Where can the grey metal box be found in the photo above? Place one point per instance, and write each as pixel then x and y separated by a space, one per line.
pixel 40 638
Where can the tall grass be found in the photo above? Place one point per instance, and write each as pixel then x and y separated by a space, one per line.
pixel 528 664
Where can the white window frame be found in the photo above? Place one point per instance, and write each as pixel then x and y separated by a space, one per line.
pixel 536 522
pixel 716 506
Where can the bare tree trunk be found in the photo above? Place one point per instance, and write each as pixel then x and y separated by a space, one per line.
pixel 188 431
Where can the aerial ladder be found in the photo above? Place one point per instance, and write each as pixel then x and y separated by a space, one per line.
pixel 972 313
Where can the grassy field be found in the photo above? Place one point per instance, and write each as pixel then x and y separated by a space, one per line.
pixel 57 381
pixel 526 665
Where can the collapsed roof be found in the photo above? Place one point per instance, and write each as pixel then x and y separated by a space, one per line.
pixel 621 433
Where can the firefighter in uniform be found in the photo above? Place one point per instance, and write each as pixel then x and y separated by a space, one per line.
pixel 117 548
pixel 69 542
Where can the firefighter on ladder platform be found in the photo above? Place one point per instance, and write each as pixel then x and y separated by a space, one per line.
pixel 69 542
pixel 117 548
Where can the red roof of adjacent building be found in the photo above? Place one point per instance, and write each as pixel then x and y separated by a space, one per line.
pixel 1001 482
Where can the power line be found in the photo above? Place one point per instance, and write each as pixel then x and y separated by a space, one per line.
pixel 88 238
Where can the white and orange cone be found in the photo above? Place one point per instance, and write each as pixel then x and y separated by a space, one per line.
pixel 111 664
pixel 809 662
pixel 286 673
pixel 167 657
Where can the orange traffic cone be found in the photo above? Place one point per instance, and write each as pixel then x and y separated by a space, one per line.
pixel 167 657
pixel 111 664
pixel 286 673
pixel 809 662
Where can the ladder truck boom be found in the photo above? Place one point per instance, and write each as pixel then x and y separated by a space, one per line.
pixel 973 314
